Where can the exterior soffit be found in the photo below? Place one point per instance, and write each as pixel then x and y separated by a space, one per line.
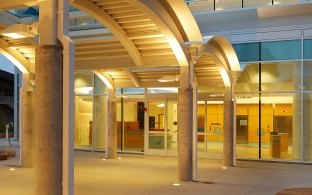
pixel 167 26
pixel 106 20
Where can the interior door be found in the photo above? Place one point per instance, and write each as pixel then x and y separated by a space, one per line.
pixel 242 129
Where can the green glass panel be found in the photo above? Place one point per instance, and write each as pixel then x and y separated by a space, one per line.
pixel 247 52
pixel 281 50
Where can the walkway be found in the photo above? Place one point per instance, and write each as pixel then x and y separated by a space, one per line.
pixel 138 174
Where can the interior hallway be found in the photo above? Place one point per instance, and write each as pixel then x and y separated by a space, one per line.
pixel 138 174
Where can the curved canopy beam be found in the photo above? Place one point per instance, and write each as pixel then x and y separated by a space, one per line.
pixel 15 57
pixel 222 53
pixel 106 20
pixel 186 20
pixel 223 45
pixel 156 12
pixel 107 80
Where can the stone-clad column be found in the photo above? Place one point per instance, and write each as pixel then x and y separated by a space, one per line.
pixel 185 130
pixel 111 138
pixel 48 120
pixel 228 125
pixel 26 106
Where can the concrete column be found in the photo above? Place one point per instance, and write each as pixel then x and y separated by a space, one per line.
pixel 185 130
pixel 48 120
pixel 26 106
pixel 228 126
pixel 111 138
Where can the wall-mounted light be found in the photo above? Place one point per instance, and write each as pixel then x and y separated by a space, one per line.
pixel 18 31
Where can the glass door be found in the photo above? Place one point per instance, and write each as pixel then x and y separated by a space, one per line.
pixel 130 124
pixel 210 129
pixel 156 127
pixel 162 127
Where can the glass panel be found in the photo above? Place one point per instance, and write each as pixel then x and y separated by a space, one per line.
pixel 280 126
pixel 83 82
pixel 118 91
pixel 201 131
pixel 156 115
pixel 119 125
pixel 214 133
pixel 281 50
pixel 276 2
pixel 83 121
pixel 133 116
pixel 156 141
pixel 247 52
pixel 307 75
pixel 307 127
pixel 228 4
pixel 134 91
pixel 280 76
pixel 172 139
pixel 201 6
pixel 99 86
pixel 247 121
pixel 163 90
pixel 307 49
pixel 248 81
pixel 100 104
pixel 257 3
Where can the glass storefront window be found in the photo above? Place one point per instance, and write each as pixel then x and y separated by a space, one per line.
pixel 100 107
pixel 279 128
pixel 307 49
pixel 230 4
pixel 247 123
pixel 83 82
pixel 201 6
pixel 83 122
pixel 172 127
pixel 163 90
pixel 281 50
pixel 248 81
pixel 257 3
pixel 276 2
pixel 307 75
pixel 307 127
pixel 133 90
pixel 280 76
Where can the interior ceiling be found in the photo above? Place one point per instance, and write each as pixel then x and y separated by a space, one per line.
pixel 102 51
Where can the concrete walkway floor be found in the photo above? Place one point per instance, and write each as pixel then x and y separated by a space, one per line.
pixel 138 175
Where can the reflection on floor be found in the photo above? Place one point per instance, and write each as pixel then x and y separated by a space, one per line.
pixel 214 150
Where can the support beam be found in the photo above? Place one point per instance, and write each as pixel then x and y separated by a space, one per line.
pixel 111 138
pixel 228 121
